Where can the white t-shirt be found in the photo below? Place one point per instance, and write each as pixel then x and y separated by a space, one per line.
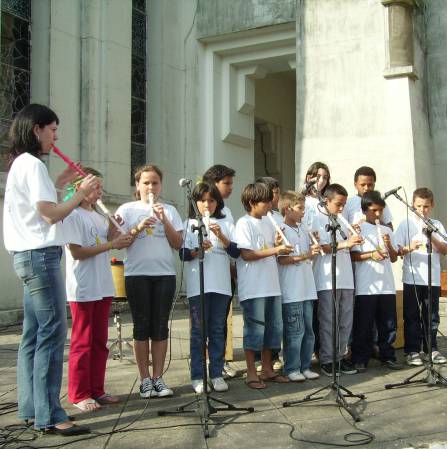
pixel 322 264
pixel 23 226
pixel 258 278
pixel 353 211
pixel 89 279
pixel 277 218
pixel 228 215
pixel 297 280
pixel 373 277
pixel 216 263
pixel 311 210
pixel 150 254
pixel 417 264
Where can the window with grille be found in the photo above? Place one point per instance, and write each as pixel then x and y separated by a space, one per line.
pixel 15 66
pixel 139 88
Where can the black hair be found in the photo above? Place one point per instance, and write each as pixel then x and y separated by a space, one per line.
pixel 371 197
pixel 197 194
pixel 335 189
pixel 21 134
pixel 271 183
pixel 364 171
pixel 255 193
pixel 218 172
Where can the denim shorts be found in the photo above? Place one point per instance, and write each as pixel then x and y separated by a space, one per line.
pixel 262 323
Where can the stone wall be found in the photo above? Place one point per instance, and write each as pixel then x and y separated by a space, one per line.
pixel 216 17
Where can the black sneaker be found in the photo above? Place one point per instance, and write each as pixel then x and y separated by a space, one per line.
pixel 346 367
pixel 360 367
pixel 392 364
pixel 326 369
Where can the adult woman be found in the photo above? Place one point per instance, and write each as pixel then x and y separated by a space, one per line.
pixel 150 274
pixel 33 235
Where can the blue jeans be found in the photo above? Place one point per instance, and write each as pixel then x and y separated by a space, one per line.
pixel 262 323
pixel 41 351
pixel 215 324
pixel 299 336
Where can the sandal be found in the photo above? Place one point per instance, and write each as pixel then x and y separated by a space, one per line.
pixel 278 378
pixel 107 399
pixel 257 384
pixel 87 405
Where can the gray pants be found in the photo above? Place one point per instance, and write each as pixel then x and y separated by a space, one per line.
pixel 344 308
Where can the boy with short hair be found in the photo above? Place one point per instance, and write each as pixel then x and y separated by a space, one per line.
pixel 375 294
pixel 298 290
pixel 258 283
pixel 364 181
pixel 335 197
pixel 273 185
pixel 412 244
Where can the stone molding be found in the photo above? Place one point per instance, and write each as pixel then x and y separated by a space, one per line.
pixel 230 67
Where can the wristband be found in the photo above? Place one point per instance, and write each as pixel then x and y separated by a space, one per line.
pixel 110 245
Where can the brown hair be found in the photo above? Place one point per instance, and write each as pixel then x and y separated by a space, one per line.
pixel 255 193
pixel 290 199
pixel 423 193
pixel 312 171
pixel 143 169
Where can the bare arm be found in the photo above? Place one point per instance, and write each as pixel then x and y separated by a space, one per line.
pixel 84 252
pixel 441 247
pixel 55 212
pixel 257 254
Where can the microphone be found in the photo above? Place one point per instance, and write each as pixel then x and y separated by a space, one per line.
pixel 311 182
pixel 183 182
pixel 390 192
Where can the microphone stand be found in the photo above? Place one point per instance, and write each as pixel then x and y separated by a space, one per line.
pixel 336 391
pixel 432 377
pixel 202 403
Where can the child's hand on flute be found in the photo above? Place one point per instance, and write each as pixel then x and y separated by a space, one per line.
pixel 88 185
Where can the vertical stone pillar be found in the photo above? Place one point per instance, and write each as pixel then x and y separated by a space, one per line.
pixel 399 49
pixel 105 64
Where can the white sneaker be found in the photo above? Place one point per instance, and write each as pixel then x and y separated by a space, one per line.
pixel 219 384
pixel 197 386
pixel 296 376
pixel 308 374
pixel 228 371
pixel 438 358
pixel 160 389
pixel 146 388
pixel 414 359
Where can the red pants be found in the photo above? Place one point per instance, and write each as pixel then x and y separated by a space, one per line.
pixel 88 349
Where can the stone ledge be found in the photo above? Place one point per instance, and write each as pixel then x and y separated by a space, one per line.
pixel 401 71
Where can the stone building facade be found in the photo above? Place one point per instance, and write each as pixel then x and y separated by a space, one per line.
pixel 265 86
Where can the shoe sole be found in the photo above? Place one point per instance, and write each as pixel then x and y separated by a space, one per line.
pixel 162 395
pixel 394 368
pixel 349 372
pixel 146 395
